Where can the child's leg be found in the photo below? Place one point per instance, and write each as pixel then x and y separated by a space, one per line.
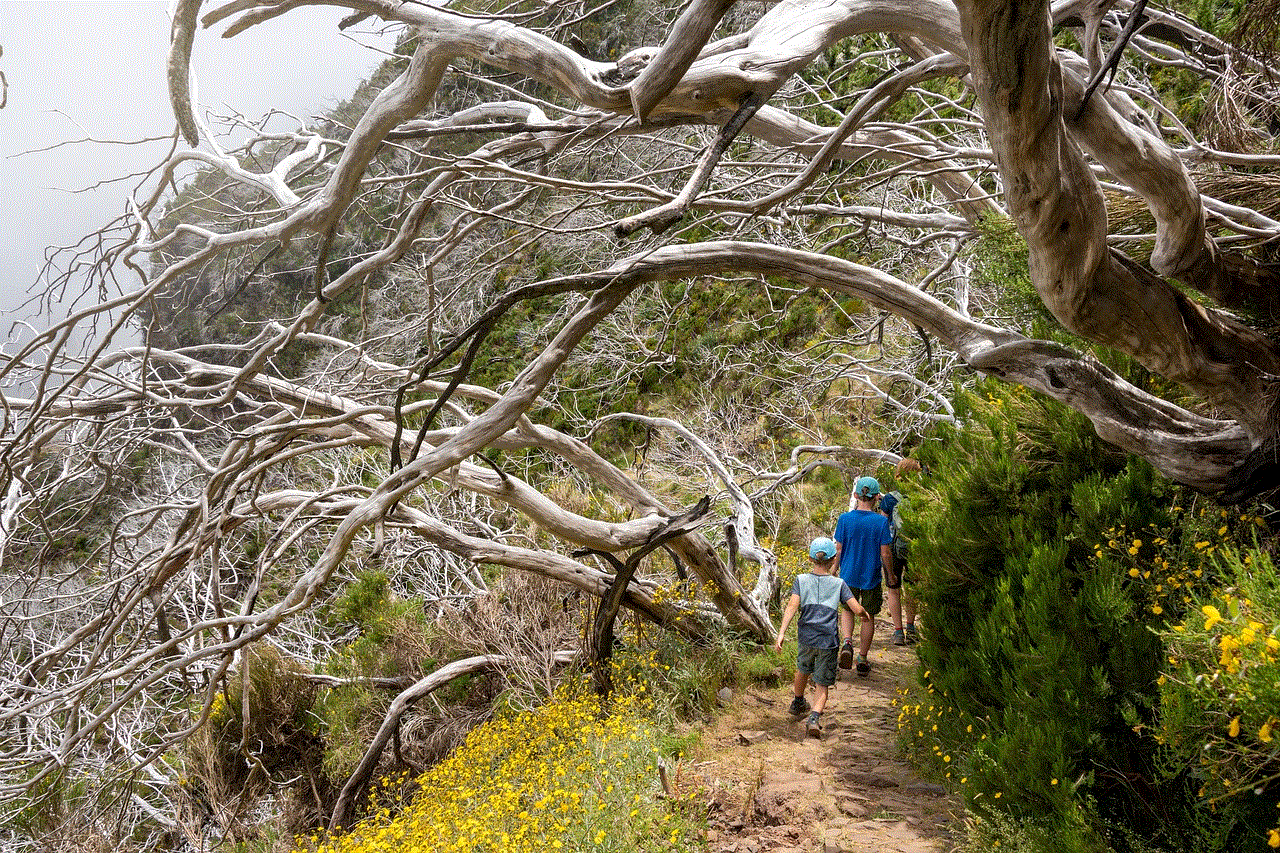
pixel 824 675
pixel 893 597
pixel 819 697
pixel 799 683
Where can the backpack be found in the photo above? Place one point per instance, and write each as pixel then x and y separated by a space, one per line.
pixel 890 504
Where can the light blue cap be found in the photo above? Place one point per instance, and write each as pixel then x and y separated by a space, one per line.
pixel 822 548
pixel 866 487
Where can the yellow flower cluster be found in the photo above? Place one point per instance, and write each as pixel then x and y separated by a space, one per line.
pixel 1241 639
pixel 1242 643
pixel 1165 584
pixel 791 562
pixel 1172 574
pixel 567 776
pixel 1225 661
pixel 683 595
pixel 918 724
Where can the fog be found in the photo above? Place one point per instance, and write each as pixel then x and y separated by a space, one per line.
pixel 86 90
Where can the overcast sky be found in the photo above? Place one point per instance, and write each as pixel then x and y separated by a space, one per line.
pixel 81 71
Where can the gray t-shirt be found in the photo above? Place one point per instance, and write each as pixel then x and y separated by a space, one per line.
pixel 821 597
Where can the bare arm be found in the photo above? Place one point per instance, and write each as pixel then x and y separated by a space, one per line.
pixel 793 607
pixel 854 607
pixel 886 560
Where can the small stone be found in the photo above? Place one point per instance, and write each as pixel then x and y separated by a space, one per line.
pixel 725 695
pixel 751 738
pixel 927 788
pixel 851 807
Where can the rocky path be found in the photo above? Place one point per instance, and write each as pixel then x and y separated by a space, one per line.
pixel 774 790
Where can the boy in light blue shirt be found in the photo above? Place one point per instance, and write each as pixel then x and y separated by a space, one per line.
pixel 826 607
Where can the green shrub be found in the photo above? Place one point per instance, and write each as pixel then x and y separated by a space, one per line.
pixel 264 718
pixel 678 678
pixel 765 667
pixel 1220 697
pixel 1041 657
pixel 394 640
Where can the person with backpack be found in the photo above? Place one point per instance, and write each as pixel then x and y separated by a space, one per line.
pixel 863 537
pixel 901 603
pixel 896 595
pixel 826 607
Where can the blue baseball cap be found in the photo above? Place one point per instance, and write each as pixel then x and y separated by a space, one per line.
pixel 866 487
pixel 822 548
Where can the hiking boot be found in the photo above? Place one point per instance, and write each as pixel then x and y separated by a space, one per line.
pixel 899 638
pixel 864 666
pixel 799 705
pixel 913 636
pixel 846 655
pixel 813 728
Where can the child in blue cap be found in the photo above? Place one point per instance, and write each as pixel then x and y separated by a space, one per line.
pixel 824 602
pixel 864 537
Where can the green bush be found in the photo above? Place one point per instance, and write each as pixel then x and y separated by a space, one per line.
pixel 1220 695
pixel 393 639
pixel 1042 652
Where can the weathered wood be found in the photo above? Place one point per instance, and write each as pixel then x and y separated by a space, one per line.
pixel 1057 204
pixel 600 640
pixel 181 39
pixel 684 42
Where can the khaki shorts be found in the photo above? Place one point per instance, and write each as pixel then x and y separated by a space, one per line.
pixel 871 599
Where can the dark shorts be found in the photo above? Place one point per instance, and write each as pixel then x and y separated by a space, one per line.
pixel 899 566
pixel 871 599
pixel 820 663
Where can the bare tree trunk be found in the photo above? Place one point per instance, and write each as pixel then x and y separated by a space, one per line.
pixel 601 641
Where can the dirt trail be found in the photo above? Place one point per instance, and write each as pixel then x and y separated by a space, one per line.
pixel 774 790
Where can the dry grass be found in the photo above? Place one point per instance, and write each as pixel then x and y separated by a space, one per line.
pixel 1259 192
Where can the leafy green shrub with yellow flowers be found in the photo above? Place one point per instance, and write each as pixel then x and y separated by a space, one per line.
pixel 1052 571
pixel 1220 699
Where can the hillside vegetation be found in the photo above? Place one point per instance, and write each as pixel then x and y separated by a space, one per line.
pixel 452 482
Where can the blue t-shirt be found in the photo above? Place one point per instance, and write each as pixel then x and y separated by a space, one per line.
pixel 820 600
pixel 860 533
